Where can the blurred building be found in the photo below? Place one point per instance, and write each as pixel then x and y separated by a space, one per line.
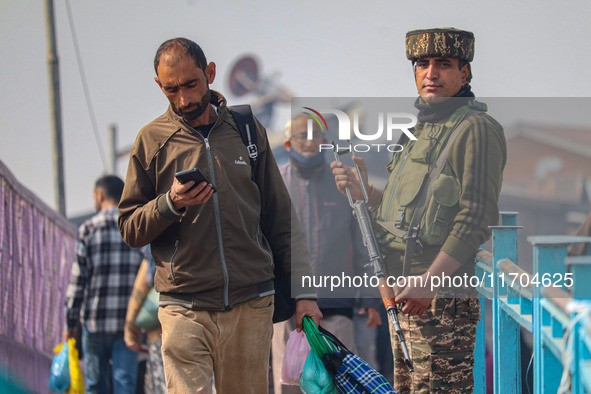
pixel 547 180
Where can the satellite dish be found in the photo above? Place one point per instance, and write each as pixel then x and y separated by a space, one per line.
pixel 244 76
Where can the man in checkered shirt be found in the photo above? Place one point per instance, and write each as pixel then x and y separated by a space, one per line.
pixel 100 286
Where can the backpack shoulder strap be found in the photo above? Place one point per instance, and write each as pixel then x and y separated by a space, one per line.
pixel 244 119
pixel 285 306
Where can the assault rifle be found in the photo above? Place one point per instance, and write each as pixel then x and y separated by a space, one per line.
pixel 364 219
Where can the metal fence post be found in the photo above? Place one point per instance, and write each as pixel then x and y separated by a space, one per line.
pixel 580 268
pixel 506 335
pixel 549 253
pixel 480 352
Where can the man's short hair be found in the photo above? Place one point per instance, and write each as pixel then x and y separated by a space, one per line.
pixel 111 185
pixel 187 46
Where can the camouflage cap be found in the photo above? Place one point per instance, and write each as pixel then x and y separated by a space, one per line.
pixel 440 42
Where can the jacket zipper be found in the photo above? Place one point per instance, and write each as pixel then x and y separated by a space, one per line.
pixel 176 248
pixel 218 223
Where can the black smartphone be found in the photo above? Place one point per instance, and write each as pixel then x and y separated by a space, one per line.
pixel 194 174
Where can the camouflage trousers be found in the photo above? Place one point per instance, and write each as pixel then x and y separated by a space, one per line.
pixel 441 345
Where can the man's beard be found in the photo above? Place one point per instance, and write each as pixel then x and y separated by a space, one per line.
pixel 198 111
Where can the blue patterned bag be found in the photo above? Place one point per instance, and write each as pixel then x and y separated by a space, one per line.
pixel 351 374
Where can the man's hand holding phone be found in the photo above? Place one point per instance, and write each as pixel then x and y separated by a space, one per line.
pixel 188 193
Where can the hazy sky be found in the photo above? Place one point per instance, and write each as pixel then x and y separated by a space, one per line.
pixel 328 49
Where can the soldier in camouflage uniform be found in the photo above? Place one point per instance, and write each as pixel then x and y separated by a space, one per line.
pixel 439 324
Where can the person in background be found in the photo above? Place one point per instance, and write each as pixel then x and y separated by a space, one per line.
pixel 144 282
pixel 98 293
pixel 333 236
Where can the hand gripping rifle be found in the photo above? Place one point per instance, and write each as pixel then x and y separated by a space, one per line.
pixel 364 219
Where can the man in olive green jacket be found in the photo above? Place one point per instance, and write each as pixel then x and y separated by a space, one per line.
pixel 439 322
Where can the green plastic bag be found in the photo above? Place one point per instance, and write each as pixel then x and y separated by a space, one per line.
pixel 315 379
pixel 319 343
pixel 147 317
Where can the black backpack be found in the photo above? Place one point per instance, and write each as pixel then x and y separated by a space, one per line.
pixel 285 305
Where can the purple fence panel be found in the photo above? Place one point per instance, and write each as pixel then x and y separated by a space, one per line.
pixel 36 254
